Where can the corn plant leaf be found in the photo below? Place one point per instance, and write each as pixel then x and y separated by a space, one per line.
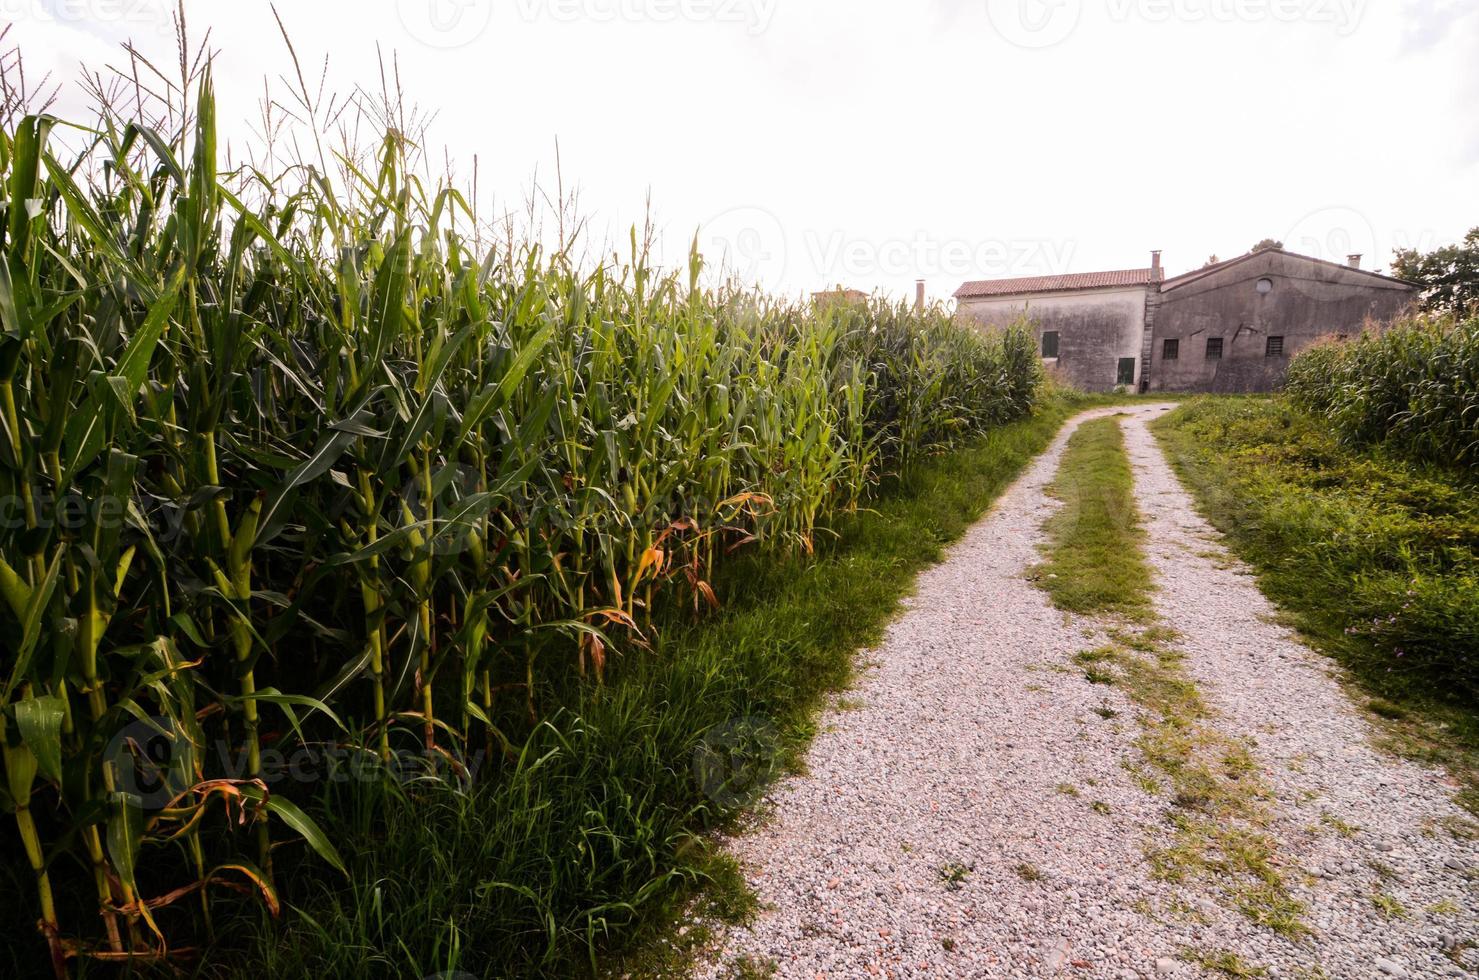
pixel 125 395
pixel 324 456
pixel 10 317
pixel 36 603
pixel 40 724
pixel 162 150
pixel 25 171
pixel 186 625
pixel 388 297
pixel 260 229
pixel 271 695
pixel 82 212
pixel 299 821
pixel 253 874
pixel 14 590
pixel 85 430
pixel 513 375
pixel 352 670
pixel 124 836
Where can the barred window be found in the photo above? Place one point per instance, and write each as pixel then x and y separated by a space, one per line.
pixel 1050 343
pixel 1214 348
pixel 1171 350
pixel 1274 347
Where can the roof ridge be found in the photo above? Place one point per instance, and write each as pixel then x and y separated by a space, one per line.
pixel 1055 282
pixel 1206 270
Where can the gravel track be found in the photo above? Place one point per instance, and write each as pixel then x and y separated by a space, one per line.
pixel 969 814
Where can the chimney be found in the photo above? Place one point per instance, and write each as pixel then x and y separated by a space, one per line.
pixel 919 296
pixel 1155 266
pixel 1354 261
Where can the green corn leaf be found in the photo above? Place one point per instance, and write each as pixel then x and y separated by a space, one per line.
pixel 85 431
pixel 352 671
pixel 10 317
pixel 513 375
pixel 31 620
pixel 271 695
pixel 25 172
pixel 40 724
pixel 99 234
pixel 387 299
pixel 125 834
pixel 299 821
pixel 14 590
pixel 316 465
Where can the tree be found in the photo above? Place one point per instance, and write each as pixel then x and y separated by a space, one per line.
pixel 1267 243
pixel 1211 261
pixel 1449 276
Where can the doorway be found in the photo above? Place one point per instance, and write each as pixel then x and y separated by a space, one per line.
pixel 1126 372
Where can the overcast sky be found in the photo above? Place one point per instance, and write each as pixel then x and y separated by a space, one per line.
pixel 870 142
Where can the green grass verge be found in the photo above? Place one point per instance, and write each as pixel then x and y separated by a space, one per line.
pixel 583 851
pixel 1094 562
pixel 1375 560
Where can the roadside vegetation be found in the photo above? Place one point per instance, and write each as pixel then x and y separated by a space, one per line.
pixel 1411 389
pixel 1356 499
pixel 677 744
pixel 427 589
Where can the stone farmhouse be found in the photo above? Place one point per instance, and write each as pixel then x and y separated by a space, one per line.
pixel 1229 327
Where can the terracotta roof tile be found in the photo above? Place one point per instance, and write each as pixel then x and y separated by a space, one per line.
pixel 1053 284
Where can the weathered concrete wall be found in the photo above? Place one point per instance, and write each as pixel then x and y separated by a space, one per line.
pixel 1095 329
pixel 1308 300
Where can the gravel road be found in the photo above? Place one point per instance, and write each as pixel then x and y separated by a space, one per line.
pixel 966 811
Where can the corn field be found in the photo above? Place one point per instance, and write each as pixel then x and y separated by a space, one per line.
pixel 1413 387
pixel 288 460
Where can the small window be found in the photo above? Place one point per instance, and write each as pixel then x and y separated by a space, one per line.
pixel 1126 374
pixel 1274 347
pixel 1214 348
pixel 1171 350
pixel 1265 286
pixel 1050 343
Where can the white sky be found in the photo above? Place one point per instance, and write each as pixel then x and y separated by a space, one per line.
pixel 870 142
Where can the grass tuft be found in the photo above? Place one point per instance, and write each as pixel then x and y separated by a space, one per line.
pixel 1093 563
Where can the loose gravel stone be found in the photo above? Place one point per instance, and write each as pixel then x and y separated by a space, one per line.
pixel 974 749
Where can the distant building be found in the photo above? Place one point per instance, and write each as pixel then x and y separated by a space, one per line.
pixel 839 297
pixel 1229 327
